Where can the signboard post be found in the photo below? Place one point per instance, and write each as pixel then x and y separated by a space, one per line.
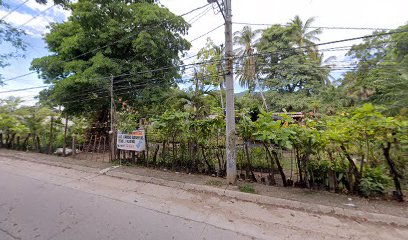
pixel 133 141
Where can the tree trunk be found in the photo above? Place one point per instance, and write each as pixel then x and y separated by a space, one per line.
pixel 250 172
pixel 18 143
pixel 11 141
pixel 174 151
pixel 51 136
pixel 282 173
pixel 164 152
pixel 277 163
pixel 271 175
pixel 301 180
pixel 38 143
pixel 395 176
pixel 194 166
pixel 64 146
pixel 155 154
pixel 210 167
pixel 1 140
pixel 305 161
pixel 262 96
pixel 147 148
pixel 221 97
pixel 7 139
pixel 353 166
pixel 73 147
pixel 26 142
pixel 35 145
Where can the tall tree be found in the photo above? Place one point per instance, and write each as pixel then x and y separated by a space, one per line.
pixel 303 37
pixel 213 72
pixel 381 73
pixel 12 38
pixel 288 71
pixel 247 70
pixel 126 39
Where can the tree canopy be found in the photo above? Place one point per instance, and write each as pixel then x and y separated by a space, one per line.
pixel 128 40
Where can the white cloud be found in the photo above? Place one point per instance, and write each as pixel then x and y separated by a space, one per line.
pixel 350 13
pixel 37 27
pixel 340 13
pixel 55 12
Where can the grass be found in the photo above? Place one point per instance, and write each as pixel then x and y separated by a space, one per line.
pixel 216 183
pixel 247 188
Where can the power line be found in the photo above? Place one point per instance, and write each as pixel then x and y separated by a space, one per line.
pixel 14 9
pixel 39 14
pixel 101 78
pixel 205 34
pixel 121 75
pixel 212 61
pixel 195 9
pixel 199 16
pixel 118 92
pixel 316 27
pixel 23 89
pixel 336 41
pixel 102 47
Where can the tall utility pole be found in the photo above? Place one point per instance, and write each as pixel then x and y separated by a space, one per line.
pixel 229 84
pixel 112 131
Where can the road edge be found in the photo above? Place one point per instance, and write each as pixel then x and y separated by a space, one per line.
pixel 355 215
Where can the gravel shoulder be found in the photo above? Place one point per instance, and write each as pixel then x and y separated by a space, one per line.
pixel 343 201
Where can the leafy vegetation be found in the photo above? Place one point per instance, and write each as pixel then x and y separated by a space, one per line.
pixel 247 188
pixel 295 126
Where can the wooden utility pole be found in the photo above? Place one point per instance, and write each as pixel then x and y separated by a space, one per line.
pixel 65 136
pixel 51 135
pixel 112 130
pixel 73 146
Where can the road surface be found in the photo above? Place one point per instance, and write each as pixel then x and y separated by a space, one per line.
pixel 39 201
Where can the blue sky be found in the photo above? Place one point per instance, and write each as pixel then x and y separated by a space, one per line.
pixel 344 13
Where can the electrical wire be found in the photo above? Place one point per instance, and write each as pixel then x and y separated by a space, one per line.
pixel 335 41
pixel 102 47
pixel 260 54
pixel 198 17
pixel 23 89
pixel 14 9
pixel 39 14
pixel 205 34
pixel 316 27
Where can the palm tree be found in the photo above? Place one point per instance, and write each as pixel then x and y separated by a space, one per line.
pixel 246 67
pixel 304 38
pixel 215 70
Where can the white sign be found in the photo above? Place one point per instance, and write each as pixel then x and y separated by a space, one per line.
pixel 134 141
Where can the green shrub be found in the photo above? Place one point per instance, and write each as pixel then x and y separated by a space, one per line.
pixel 216 183
pixel 247 188
pixel 374 182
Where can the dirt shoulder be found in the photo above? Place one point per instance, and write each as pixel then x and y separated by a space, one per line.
pixel 306 196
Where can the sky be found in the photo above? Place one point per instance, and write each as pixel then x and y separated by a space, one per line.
pixel 387 14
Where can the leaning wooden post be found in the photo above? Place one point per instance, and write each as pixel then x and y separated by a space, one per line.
pixel 64 146
pixel 94 146
pixel 51 135
pixel 104 148
pixel 88 147
pixel 73 146
pixel 142 123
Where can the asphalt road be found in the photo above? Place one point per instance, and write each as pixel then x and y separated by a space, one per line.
pixel 34 209
pixel 39 201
